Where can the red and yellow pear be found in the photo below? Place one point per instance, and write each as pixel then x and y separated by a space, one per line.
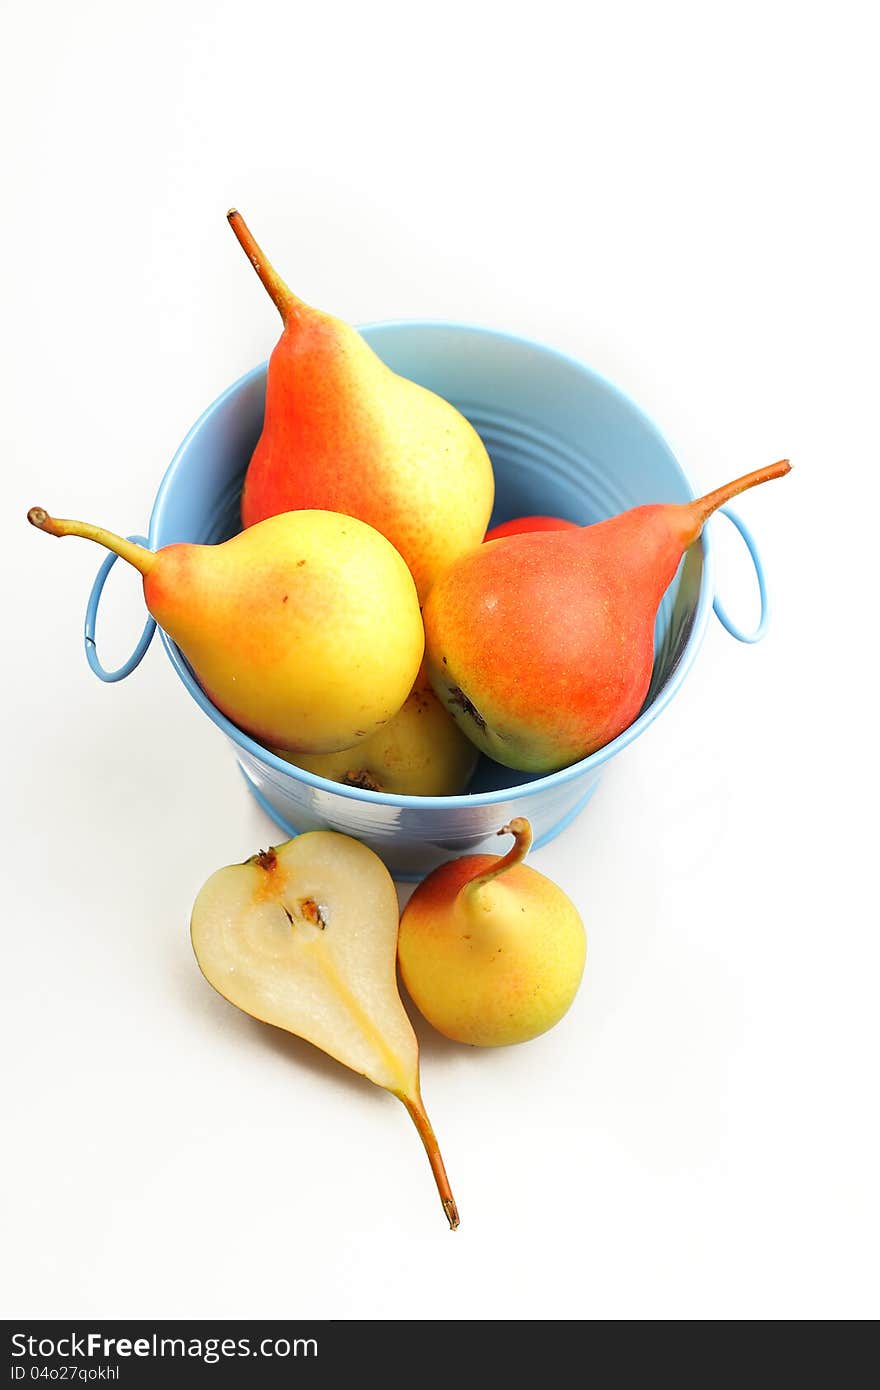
pixel 305 631
pixel 542 645
pixel 491 951
pixel 343 432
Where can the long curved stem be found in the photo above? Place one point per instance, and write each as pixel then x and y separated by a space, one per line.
pixel 284 300
pixel 136 555
pixel 698 512
pixel 432 1149
pixel 521 831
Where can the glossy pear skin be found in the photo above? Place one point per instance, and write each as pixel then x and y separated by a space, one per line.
pixel 304 936
pixel 493 962
pixel 541 645
pixel 345 433
pixel 420 752
pixel 305 631
pixel 538 669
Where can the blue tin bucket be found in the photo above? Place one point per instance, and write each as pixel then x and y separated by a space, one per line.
pixel 564 442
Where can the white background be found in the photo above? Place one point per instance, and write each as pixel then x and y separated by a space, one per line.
pixel 683 196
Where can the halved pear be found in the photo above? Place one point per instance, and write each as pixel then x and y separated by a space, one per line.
pixel 304 936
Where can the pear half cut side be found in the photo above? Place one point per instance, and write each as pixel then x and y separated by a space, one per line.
pixel 304 936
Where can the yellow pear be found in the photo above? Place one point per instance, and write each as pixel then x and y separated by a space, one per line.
pixel 305 630
pixel 491 951
pixel 304 936
pixel 420 752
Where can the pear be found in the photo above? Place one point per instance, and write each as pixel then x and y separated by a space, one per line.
pixel 542 645
pixel 519 524
pixel 420 752
pixel 344 432
pixel 305 630
pixel 304 937
pixel 491 951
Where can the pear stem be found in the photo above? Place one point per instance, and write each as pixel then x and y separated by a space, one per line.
pixel 284 301
pixel 521 831
pixel 136 555
pixel 698 512
pixel 432 1149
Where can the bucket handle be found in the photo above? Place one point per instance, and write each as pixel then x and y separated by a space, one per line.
pixel 146 636
pixel 720 611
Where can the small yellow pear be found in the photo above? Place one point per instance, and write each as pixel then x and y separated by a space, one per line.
pixel 420 752
pixel 491 951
